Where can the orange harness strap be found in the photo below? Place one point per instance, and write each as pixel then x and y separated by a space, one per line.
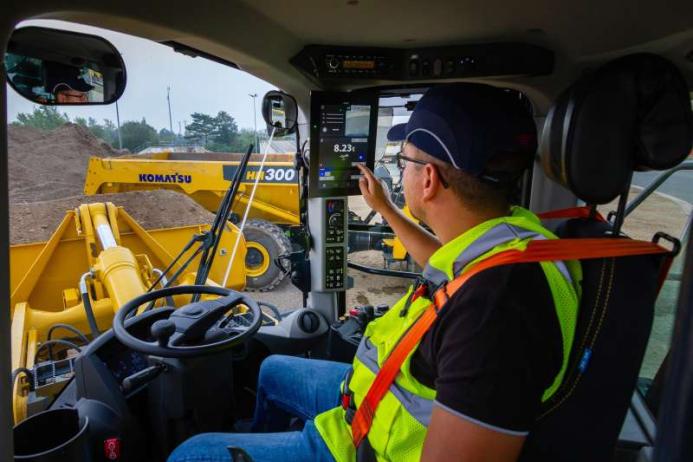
pixel 572 212
pixel 536 251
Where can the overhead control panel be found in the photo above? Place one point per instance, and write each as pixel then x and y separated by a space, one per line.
pixel 325 63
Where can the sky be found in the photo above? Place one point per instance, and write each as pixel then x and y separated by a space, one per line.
pixel 197 85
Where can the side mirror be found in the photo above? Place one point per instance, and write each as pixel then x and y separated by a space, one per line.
pixel 49 66
pixel 280 112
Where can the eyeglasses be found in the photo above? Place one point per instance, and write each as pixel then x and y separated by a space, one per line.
pixel 401 161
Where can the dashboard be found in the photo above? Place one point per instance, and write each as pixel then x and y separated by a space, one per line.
pixel 123 362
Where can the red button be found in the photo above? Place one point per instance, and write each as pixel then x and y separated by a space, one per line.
pixel 111 448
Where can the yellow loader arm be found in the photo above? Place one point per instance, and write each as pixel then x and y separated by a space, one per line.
pixel 204 177
pixel 101 257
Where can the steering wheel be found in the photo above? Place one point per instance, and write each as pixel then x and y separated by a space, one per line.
pixel 195 329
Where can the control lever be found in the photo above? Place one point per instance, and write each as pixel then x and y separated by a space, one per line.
pixel 363 314
pixel 136 380
pixel 381 309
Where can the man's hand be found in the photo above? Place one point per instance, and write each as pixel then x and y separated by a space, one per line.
pixel 374 192
pixel 419 243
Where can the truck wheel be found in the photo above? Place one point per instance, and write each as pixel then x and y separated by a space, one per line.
pixel 264 243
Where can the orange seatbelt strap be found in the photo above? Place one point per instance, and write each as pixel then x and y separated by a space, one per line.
pixel 536 251
pixel 572 212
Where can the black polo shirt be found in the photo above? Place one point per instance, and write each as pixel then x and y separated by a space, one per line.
pixel 494 349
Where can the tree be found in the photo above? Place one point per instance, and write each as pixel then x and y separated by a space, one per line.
pixel 217 133
pixel 111 131
pixel 226 129
pixel 43 118
pixel 136 135
pixel 245 137
pixel 202 127
pixel 106 132
pixel 167 136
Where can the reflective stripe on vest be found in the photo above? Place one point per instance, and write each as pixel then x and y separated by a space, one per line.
pixel 399 426
pixel 420 408
pixel 496 236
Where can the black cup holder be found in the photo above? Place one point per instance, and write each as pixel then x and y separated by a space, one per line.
pixel 52 436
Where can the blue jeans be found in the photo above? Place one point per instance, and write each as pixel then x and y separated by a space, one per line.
pixel 287 387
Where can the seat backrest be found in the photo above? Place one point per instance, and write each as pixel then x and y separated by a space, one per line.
pixel 632 114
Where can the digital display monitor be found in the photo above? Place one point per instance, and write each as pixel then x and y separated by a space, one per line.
pixel 343 130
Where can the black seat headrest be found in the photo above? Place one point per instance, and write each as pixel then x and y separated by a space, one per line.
pixel 633 113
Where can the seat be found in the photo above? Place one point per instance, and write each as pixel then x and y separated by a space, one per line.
pixel 632 114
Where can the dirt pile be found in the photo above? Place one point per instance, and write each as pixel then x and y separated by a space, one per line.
pixel 30 222
pixel 50 164
pixel 46 178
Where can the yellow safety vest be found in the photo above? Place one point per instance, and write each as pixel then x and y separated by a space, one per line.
pixel 399 427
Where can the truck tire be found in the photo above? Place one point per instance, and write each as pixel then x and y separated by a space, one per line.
pixel 264 243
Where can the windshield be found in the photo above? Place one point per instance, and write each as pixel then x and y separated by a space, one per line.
pixel 392 110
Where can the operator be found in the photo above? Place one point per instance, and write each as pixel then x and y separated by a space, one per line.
pixel 498 350
pixel 66 85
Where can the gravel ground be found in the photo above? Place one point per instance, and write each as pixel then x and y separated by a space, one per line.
pixel 368 289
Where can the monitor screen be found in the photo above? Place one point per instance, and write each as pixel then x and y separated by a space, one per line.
pixel 342 136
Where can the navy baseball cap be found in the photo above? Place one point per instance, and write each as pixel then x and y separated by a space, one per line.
pixel 467 125
pixel 58 75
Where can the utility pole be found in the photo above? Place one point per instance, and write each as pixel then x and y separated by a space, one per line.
pixel 257 139
pixel 120 138
pixel 168 98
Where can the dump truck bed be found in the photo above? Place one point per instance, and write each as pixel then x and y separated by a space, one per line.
pixel 204 177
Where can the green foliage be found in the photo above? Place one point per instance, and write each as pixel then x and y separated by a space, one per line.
pixel 138 134
pixel 216 133
pixel 48 118
pixel 43 118
pixel 225 128
pixel 245 137
pixel 167 136
pixel 107 132
pixel 201 128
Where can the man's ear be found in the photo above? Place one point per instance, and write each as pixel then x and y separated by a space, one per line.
pixel 431 182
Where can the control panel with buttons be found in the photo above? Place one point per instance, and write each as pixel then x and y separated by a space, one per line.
pixel 335 262
pixel 334 279
pixel 329 252
pixel 326 63
pixel 335 221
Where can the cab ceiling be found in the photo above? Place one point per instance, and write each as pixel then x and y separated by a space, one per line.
pixel 262 35
pixel 576 28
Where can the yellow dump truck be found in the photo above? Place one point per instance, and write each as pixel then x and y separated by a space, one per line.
pixel 205 178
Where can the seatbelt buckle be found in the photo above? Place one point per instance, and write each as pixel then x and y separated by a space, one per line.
pixel 420 291
pixel 346 398
pixel 349 407
pixel 440 296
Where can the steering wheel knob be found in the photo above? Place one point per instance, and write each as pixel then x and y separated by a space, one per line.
pixel 162 330
pixel 192 310
pixel 192 330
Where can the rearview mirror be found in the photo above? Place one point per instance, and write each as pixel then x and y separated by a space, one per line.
pixel 280 112
pixel 49 66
